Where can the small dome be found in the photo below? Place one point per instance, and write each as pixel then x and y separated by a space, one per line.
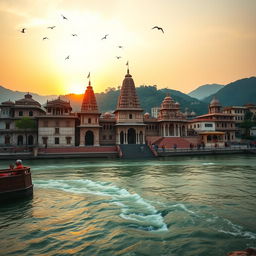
pixel 215 103
pixel 193 113
pixel 8 102
pixel 107 115
pixel 146 115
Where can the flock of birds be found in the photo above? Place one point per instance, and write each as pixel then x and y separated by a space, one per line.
pixel 23 30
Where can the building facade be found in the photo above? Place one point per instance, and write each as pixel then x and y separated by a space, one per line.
pixel 58 126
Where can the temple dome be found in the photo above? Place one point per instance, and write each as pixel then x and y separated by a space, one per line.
pixel 146 115
pixel 215 103
pixel 89 104
pixel 8 102
pixel 27 100
pixel 169 103
pixel 128 97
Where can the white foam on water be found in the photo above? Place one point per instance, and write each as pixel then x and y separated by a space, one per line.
pixel 207 163
pixel 133 207
pixel 183 207
pixel 230 228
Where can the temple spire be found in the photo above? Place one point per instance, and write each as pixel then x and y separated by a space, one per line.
pixel 89 104
pixel 127 64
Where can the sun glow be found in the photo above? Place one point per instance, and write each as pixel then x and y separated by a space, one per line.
pixel 76 88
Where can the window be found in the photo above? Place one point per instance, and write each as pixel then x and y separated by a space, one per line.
pixel 7 140
pixel 208 125
pixel 104 137
pixel 57 130
pixel 130 116
pixel 57 140
pixel 30 113
pixel 7 126
pixel 49 110
pixel 20 113
pixel 110 137
pixel 45 139
pixel 68 140
pixel 89 120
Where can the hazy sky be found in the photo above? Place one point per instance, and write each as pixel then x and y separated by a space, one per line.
pixel 205 41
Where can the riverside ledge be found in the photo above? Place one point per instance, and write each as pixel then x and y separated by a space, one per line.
pixel 112 152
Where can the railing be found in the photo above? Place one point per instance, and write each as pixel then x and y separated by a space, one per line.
pixel 14 171
pixel 206 149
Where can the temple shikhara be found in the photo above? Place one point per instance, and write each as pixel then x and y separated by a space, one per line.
pixel 56 126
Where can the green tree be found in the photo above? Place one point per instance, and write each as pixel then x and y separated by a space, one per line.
pixel 247 124
pixel 25 124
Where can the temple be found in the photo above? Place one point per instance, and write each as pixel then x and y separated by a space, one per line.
pixel 57 126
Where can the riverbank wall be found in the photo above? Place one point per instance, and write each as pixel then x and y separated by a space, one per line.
pixel 112 152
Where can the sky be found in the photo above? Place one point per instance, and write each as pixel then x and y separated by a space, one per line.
pixel 204 41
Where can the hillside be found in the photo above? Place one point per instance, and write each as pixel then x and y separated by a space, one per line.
pixel 6 94
pixel 237 93
pixel 149 97
pixel 204 91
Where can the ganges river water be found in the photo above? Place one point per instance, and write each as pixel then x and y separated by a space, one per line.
pixel 172 206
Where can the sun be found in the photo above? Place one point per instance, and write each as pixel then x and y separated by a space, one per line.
pixel 76 88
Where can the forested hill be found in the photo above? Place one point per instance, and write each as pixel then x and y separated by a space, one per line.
pixel 149 97
pixel 238 93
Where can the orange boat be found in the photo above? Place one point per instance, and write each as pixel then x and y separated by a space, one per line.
pixel 15 183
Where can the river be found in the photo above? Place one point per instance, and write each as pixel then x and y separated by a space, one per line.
pixel 170 206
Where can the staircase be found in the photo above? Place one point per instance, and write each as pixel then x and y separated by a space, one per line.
pixel 136 151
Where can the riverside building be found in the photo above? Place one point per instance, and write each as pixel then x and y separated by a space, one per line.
pixel 58 127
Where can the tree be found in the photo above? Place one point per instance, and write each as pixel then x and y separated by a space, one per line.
pixel 247 124
pixel 25 124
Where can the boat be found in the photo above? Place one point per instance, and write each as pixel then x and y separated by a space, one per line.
pixel 15 184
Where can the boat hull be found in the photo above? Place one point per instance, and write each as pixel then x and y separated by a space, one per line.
pixel 15 184
pixel 17 194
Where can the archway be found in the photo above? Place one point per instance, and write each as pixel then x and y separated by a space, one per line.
pixel 122 137
pixel 131 136
pixel 89 138
pixel 20 140
pixel 30 140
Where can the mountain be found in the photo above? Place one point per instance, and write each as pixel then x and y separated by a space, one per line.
pixel 237 93
pixel 6 94
pixel 149 97
pixel 204 91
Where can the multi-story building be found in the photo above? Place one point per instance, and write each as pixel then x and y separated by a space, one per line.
pixel 11 112
pixel 59 127
pixel 215 128
pixel 56 128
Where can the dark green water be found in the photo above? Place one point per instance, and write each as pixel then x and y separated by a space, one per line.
pixel 175 206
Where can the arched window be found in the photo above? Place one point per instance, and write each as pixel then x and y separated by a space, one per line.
pixel 20 140
pixel 30 140
pixel 7 140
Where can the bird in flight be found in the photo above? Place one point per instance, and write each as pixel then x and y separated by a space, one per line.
pixel 118 57
pixel 120 46
pixel 64 18
pixel 159 28
pixel 74 35
pixel 23 30
pixel 104 37
pixel 52 27
pixel 45 38
pixel 67 58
